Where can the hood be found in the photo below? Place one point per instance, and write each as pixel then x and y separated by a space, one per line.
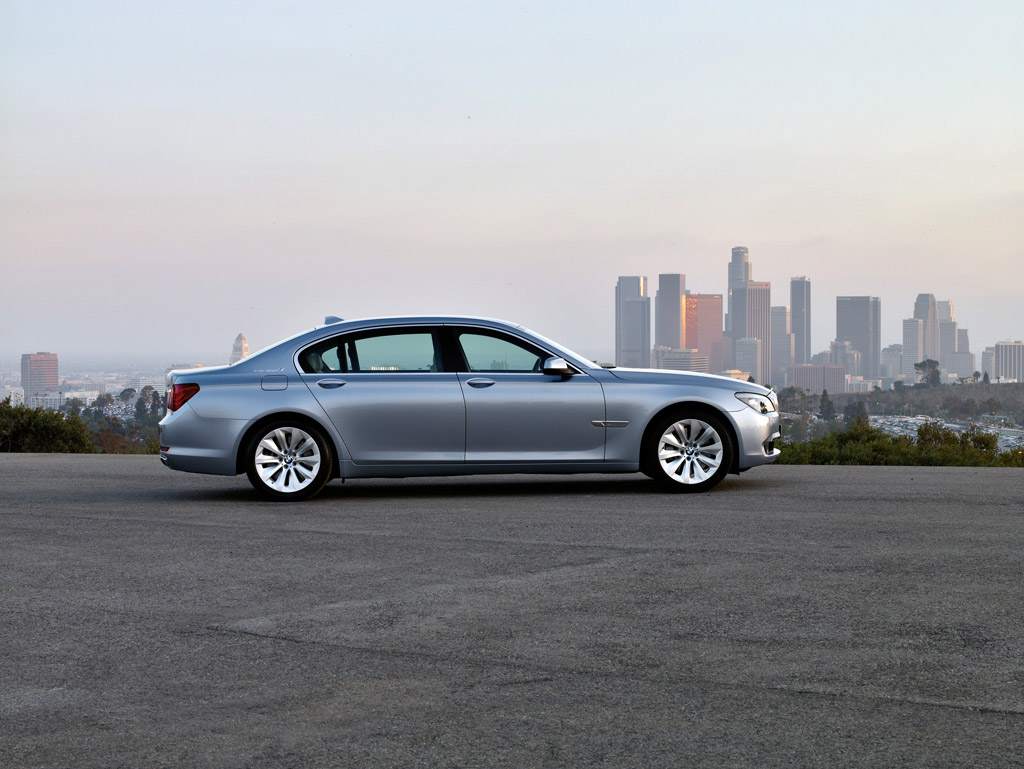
pixel 663 376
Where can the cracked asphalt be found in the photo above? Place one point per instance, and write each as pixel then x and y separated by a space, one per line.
pixel 795 616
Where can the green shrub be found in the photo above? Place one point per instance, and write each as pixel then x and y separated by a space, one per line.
pixel 935 445
pixel 24 429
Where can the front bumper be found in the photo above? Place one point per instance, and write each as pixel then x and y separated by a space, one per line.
pixel 757 434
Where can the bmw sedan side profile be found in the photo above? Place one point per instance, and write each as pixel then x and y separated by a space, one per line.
pixel 419 396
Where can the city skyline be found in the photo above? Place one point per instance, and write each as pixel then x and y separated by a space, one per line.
pixel 172 174
pixel 758 340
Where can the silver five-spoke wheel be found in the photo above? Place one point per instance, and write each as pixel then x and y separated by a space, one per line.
pixel 288 461
pixel 689 452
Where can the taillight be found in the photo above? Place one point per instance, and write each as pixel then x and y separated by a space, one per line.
pixel 179 395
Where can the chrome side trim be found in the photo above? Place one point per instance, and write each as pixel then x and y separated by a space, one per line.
pixel 607 423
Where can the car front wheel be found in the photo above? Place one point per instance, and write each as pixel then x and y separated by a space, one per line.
pixel 288 461
pixel 688 452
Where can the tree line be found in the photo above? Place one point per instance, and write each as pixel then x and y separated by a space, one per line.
pixel 77 428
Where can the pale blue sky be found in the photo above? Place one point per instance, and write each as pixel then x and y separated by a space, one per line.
pixel 171 174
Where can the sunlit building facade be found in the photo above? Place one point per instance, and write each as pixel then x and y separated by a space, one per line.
pixel 39 374
pixel 632 322
pixel 703 328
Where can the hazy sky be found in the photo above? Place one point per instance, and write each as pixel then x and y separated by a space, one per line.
pixel 174 173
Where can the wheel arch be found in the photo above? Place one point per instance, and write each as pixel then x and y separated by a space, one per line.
pixel 276 416
pixel 693 407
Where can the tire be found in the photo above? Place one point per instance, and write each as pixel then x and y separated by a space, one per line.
pixel 688 451
pixel 288 461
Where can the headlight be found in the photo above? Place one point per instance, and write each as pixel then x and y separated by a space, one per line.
pixel 759 403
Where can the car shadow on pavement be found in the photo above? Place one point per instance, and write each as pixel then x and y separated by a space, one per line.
pixel 486 487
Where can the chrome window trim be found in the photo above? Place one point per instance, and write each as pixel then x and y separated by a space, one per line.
pixel 399 327
pixel 430 325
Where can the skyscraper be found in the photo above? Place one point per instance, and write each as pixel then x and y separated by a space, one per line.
pixel 668 312
pixel 632 322
pixel 800 318
pixel 947 334
pixel 859 322
pixel 739 273
pixel 753 318
pixel 963 343
pixel 748 357
pixel 926 312
pixel 703 328
pixel 913 345
pixel 39 373
pixel 1009 360
pixel 240 349
pixel 783 346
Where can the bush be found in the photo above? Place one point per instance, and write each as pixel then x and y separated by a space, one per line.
pixel 935 445
pixel 23 429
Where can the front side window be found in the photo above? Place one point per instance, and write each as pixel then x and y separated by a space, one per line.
pixel 400 352
pixel 493 354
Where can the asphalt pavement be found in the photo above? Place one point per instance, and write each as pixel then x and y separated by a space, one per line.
pixel 794 616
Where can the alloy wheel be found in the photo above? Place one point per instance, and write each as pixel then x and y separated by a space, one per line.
pixel 287 459
pixel 690 451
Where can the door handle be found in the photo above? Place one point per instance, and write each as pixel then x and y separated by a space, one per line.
pixel 331 384
pixel 479 382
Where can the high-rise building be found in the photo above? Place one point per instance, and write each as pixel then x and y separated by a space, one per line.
pixel 913 345
pixel 815 378
pixel 947 333
pixel 783 345
pixel 39 373
pixel 925 310
pixel 748 357
pixel 890 362
pixel 703 328
pixel 843 354
pixel 800 318
pixel 632 322
pixel 959 364
pixel 680 360
pixel 752 318
pixel 668 311
pixel 988 362
pixel 859 322
pixel 739 273
pixel 963 342
pixel 240 349
pixel 1009 360
pixel 945 311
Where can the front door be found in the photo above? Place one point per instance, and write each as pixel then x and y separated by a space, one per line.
pixel 516 413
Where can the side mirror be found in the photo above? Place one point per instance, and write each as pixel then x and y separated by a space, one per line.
pixel 557 367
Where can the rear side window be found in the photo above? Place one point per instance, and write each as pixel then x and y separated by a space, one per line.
pixel 400 352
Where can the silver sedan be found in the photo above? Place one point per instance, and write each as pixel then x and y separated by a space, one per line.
pixel 418 396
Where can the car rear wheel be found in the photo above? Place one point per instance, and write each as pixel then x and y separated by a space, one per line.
pixel 688 452
pixel 288 461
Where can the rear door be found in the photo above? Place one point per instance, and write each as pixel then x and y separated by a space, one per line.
pixel 389 396
pixel 515 412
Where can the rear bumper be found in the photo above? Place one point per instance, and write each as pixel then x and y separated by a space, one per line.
pixel 190 443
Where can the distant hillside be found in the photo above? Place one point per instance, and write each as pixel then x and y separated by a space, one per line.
pixel 954 402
